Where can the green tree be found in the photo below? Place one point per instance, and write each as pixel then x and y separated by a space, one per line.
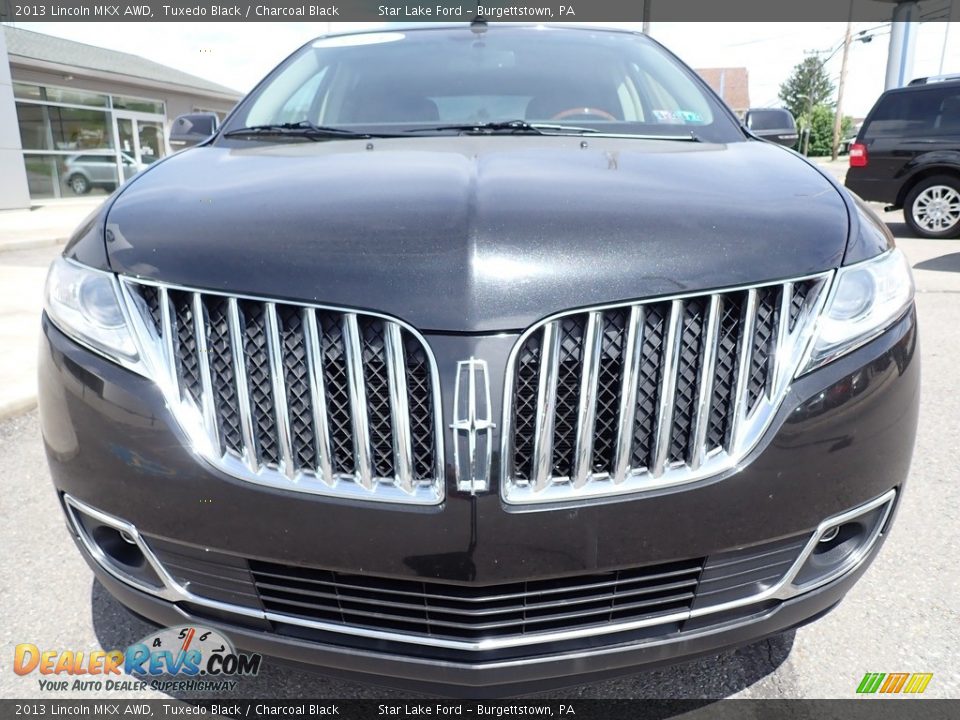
pixel 821 129
pixel 808 87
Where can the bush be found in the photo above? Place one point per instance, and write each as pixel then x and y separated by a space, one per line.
pixel 821 130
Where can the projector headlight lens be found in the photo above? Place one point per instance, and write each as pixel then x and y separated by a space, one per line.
pixel 86 305
pixel 865 300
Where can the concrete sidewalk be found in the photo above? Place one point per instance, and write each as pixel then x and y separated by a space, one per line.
pixel 45 223
pixel 29 240
pixel 837 168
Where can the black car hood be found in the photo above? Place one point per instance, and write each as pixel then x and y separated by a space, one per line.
pixel 477 234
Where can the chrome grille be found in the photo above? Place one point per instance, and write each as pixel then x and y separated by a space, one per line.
pixel 638 396
pixel 306 398
pixel 650 594
pixel 670 596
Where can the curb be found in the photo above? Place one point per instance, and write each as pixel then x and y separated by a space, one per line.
pixel 12 407
pixel 11 245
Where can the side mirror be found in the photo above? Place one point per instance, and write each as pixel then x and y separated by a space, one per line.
pixel 772 124
pixel 192 129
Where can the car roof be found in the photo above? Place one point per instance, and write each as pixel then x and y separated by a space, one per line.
pixel 421 27
pixel 924 86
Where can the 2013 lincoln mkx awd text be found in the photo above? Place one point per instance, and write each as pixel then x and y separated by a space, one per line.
pixel 480 359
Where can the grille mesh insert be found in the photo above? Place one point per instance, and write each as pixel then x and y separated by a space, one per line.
pixel 288 409
pixel 703 379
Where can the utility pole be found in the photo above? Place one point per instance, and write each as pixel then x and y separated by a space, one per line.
pixel 946 34
pixel 646 16
pixel 838 118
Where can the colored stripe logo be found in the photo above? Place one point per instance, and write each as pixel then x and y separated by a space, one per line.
pixel 894 683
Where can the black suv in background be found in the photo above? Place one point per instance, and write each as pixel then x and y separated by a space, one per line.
pixel 908 155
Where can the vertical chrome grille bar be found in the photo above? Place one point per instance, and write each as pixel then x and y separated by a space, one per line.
pixel 206 383
pixel 587 410
pixel 318 398
pixel 362 454
pixel 668 389
pixel 743 369
pixel 279 387
pixel 243 389
pixel 780 355
pixel 169 356
pixel 472 421
pixel 705 387
pixel 628 392
pixel 399 407
pixel 546 406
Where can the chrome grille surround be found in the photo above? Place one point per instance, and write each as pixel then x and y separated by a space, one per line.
pixel 303 397
pixel 693 397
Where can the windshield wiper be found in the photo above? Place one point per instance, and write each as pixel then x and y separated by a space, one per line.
pixel 513 127
pixel 304 128
pixel 520 127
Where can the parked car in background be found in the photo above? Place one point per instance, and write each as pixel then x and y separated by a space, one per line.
pixel 775 124
pixel 907 154
pixel 87 172
pixel 850 139
pixel 481 360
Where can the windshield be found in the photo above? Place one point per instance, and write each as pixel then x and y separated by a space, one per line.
pixel 417 81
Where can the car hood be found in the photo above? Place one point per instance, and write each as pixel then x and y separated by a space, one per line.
pixel 477 234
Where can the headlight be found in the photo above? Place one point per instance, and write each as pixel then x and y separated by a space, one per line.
pixel 865 300
pixel 85 304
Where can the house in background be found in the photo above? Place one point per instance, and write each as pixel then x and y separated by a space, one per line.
pixel 732 84
pixel 70 111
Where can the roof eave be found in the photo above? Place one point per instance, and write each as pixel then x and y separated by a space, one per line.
pixel 37 64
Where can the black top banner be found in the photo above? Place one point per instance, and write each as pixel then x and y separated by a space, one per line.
pixel 577 709
pixel 492 10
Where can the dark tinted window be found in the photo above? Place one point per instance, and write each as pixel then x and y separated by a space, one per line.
pixel 770 120
pixel 916 113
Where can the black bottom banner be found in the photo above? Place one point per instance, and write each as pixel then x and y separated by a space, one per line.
pixel 855 709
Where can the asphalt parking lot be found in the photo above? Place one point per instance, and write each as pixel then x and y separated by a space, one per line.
pixel 902 617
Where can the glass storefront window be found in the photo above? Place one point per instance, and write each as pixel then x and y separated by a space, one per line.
pixel 34 134
pixel 85 173
pixel 70 151
pixel 25 91
pixel 75 129
pixel 122 102
pixel 125 133
pixel 75 97
pixel 151 141
pixel 67 96
pixel 42 176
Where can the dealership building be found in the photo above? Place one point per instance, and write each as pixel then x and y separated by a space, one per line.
pixel 78 119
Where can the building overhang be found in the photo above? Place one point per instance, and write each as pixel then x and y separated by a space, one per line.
pixel 29 63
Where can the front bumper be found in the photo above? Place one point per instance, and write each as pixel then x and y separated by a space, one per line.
pixel 865 183
pixel 843 437
pixel 499 678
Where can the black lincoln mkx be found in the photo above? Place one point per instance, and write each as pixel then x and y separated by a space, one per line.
pixel 479 360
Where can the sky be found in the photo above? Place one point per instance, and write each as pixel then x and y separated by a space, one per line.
pixel 239 54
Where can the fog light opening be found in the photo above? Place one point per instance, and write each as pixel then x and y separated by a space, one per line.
pixel 118 548
pixel 842 544
pixel 830 534
pixel 113 544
